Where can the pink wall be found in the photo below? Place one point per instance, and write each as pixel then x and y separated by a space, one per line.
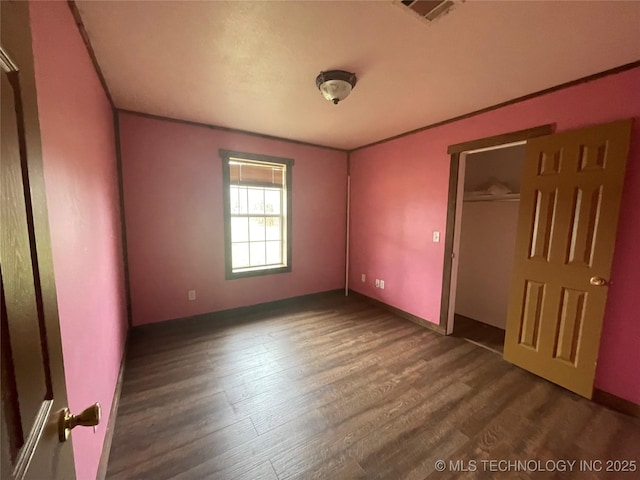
pixel 399 197
pixel 80 174
pixel 173 206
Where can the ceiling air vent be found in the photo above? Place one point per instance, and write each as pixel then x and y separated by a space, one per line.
pixel 428 9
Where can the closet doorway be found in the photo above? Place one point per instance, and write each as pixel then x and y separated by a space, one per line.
pixel 486 223
pixel 480 177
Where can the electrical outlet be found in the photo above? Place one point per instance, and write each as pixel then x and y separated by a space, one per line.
pixel 377 283
pixel 436 237
pixel 382 284
pixel 191 295
pixel 363 277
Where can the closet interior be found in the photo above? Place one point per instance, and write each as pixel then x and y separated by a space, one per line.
pixel 486 244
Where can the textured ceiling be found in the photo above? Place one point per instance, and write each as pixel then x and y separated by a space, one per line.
pixel 252 65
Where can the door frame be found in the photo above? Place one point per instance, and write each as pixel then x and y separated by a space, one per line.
pixel 457 154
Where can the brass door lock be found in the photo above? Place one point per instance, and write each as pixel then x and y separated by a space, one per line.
pixel 89 417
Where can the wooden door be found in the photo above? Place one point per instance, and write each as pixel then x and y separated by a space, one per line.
pixel 33 386
pixel 570 198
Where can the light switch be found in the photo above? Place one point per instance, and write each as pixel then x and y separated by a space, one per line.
pixel 436 237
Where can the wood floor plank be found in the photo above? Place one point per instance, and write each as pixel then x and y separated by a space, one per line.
pixel 195 418
pixel 242 459
pixel 339 392
pixel 167 456
pixel 336 388
pixel 390 435
pixel 264 471
pixel 417 451
pixel 323 449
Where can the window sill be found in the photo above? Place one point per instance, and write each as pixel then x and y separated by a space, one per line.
pixel 257 272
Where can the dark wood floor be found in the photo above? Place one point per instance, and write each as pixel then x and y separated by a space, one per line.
pixel 339 389
pixel 483 334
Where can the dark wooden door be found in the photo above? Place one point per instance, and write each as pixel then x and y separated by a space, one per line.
pixel 570 198
pixel 33 385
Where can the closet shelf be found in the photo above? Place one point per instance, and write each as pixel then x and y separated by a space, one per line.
pixel 487 197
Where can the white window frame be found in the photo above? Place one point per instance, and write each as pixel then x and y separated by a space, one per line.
pixel 285 216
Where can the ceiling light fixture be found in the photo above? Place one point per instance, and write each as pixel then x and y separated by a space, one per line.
pixel 336 85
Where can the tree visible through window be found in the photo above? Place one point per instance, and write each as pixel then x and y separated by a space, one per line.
pixel 257 211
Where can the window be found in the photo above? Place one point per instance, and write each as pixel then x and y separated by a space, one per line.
pixel 257 214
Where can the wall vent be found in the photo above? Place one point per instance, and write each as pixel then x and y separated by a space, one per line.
pixel 428 10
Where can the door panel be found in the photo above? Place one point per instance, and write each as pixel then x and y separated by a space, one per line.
pixel 569 204
pixel 33 385
pixel 17 268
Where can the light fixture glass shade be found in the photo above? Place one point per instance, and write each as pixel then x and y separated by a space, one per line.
pixel 335 90
pixel 335 85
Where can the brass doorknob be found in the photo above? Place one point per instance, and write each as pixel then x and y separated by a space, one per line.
pixel 89 417
pixel 597 281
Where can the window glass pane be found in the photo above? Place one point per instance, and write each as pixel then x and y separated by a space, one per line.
pixel 273 228
pixel 256 229
pixel 238 196
pixel 274 252
pixel 233 197
pixel 239 229
pixel 242 200
pixel 256 200
pixel 272 201
pixel 257 253
pixel 239 255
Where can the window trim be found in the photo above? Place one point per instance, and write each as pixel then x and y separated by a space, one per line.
pixel 226 156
